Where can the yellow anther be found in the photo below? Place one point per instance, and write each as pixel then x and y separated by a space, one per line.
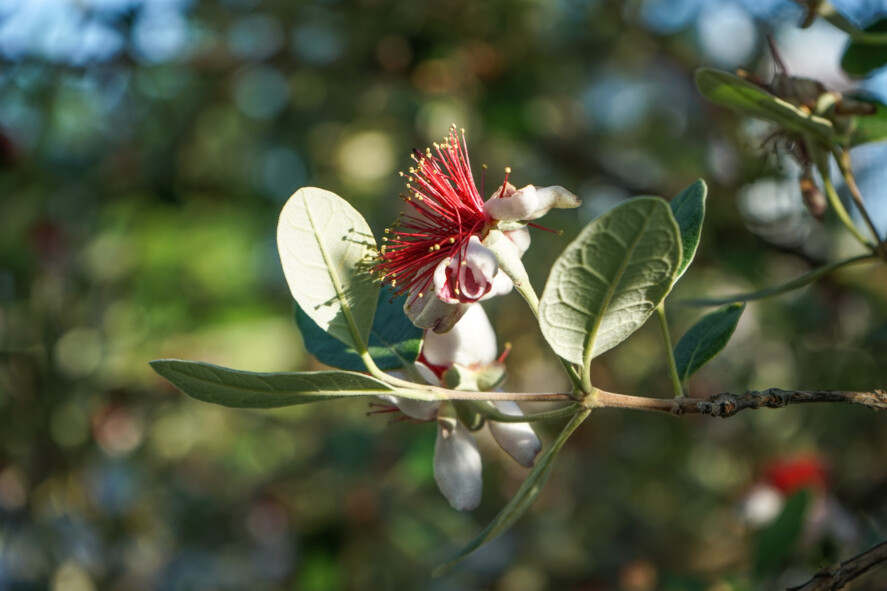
pixel 452 240
pixel 421 294
pixel 437 247
pixel 457 292
pixel 393 282
pixel 507 170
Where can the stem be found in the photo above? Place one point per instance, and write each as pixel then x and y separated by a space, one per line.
pixel 493 414
pixel 791 285
pixel 526 290
pixel 836 204
pixel 838 575
pixel 843 160
pixel 826 11
pixel 669 352
pixel 726 405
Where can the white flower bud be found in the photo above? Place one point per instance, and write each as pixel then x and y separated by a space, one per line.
pixel 457 465
pixel 471 343
pixel 517 439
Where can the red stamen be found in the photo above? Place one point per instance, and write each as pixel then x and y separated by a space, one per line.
pixel 445 210
pixel 538 227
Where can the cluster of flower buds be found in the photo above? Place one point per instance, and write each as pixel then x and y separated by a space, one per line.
pixel 467 354
pixel 439 254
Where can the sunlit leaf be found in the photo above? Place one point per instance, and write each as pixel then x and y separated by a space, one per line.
pixel 870 128
pixel 610 278
pixel 731 91
pixel 244 389
pixel 861 59
pixel 325 248
pixel 688 208
pixel 522 500
pixel 776 543
pixel 705 339
pixel 394 340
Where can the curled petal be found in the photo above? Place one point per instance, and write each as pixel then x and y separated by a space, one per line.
pixel 457 465
pixel 426 310
pixel 530 203
pixel 520 239
pixel 466 278
pixel 517 439
pixel 502 285
pixel 470 343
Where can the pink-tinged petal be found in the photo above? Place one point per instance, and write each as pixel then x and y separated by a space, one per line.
pixel 502 285
pixel 426 310
pixel 471 343
pixel 457 465
pixel 420 410
pixel 520 239
pixel 517 439
pixel 530 203
pixel 518 206
pixel 468 277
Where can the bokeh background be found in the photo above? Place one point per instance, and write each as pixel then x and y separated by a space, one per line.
pixel 146 148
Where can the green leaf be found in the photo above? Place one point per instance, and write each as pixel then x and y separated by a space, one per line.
pixel 791 285
pixel 870 128
pixel 244 389
pixel 326 249
pixel 705 339
pixel 610 279
pixel 741 95
pixel 776 542
pixel 688 208
pixel 394 341
pixel 861 59
pixel 522 500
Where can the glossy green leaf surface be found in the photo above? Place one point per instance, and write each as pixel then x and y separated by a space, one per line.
pixel 705 339
pixel 326 248
pixel 861 59
pixel 610 279
pixel 688 208
pixel 728 90
pixel 393 342
pixel 244 389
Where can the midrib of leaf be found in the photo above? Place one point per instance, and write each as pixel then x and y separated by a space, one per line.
pixel 270 387
pixel 352 325
pixel 592 334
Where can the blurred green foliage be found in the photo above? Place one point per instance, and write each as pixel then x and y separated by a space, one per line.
pixel 140 183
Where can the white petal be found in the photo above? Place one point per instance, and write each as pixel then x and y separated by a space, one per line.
pixel 468 278
pixel 420 410
pixel 519 206
pixel 429 311
pixel 472 342
pixel 530 203
pixel 521 239
pixel 457 465
pixel 517 439
pixel 553 197
pixel 502 285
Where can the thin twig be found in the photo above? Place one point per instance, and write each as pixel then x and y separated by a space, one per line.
pixel 837 575
pixel 726 405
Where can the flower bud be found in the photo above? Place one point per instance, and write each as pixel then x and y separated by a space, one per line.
pixel 457 465
pixel 517 439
